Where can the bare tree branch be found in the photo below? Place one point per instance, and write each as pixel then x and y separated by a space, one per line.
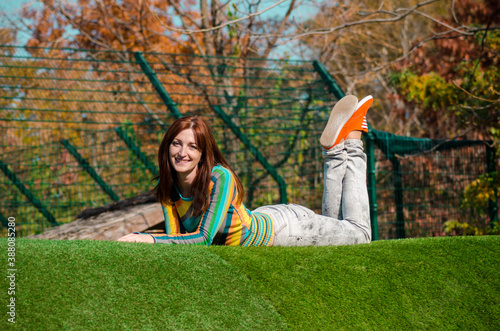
pixel 396 17
pixel 183 15
pixel 281 27
pixel 218 27
pixel 459 30
pixel 482 45
pixel 472 95
pixel 422 43
pixel 82 29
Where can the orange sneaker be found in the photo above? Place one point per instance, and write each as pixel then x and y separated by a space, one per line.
pixel 356 121
pixel 343 110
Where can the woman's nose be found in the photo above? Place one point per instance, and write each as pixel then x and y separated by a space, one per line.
pixel 183 151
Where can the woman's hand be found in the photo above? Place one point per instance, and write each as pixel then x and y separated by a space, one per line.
pixel 137 238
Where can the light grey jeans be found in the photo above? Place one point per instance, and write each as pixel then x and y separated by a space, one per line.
pixel 345 218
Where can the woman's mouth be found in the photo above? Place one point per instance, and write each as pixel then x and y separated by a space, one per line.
pixel 182 161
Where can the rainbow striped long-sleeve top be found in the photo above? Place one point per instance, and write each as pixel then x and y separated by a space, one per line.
pixel 224 222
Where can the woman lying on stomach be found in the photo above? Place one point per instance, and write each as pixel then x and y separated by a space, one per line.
pixel 201 195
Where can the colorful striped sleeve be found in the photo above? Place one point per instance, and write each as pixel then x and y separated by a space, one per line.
pixel 261 231
pixel 171 219
pixel 222 193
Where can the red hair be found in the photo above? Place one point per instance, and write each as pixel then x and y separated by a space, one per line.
pixel 210 157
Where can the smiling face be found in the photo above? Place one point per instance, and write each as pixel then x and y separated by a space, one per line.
pixel 184 154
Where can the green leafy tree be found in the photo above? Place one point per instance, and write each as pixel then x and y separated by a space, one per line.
pixel 453 82
pixel 479 198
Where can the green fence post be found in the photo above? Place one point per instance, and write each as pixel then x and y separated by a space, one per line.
pixel 136 150
pixel 258 155
pixel 330 83
pixel 27 193
pixel 372 184
pixel 158 86
pixel 398 197
pixel 86 166
pixel 490 168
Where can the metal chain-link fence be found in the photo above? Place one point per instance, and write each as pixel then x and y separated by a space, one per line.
pixel 81 129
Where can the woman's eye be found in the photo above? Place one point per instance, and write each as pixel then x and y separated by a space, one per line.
pixel 175 143
pixel 194 147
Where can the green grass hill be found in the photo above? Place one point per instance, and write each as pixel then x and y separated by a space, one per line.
pixel 448 283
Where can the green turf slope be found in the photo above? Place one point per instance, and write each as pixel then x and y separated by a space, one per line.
pixel 433 284
pixel 414 284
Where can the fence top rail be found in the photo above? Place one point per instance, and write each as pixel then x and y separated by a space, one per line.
pixel 391 144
